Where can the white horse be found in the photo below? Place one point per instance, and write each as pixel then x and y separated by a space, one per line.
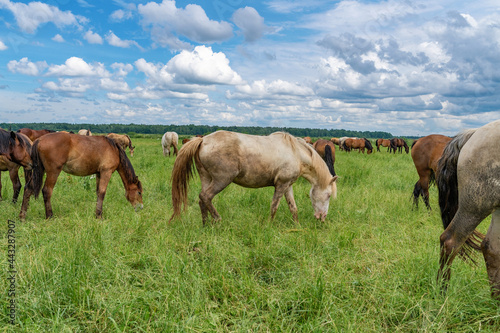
pixel 85 132
pixel 277 160
pixel 169 139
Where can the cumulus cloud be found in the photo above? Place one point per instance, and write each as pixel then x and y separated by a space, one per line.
pixel 92 37
pixel 191 22
pixel 250 22
pixel 30 16
pixel 271 90
pixel 114 40
pixel 58 38
pixel 120 15
pixel 3 47
pixel 75 66
pixel 26 67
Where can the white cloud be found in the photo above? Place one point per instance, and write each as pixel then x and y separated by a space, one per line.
pixel 114 40
pixel 120 15
pixel 75 66
pixel 92 38
pixel 30 16
pixel 58 38
pixel 26 67
pixel 250 22
pixel 271 90
pixel 3 47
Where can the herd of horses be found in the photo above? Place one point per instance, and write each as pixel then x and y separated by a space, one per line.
pixel 465 168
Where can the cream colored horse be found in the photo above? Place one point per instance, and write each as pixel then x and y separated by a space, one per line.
pixel 123 140
pixel 169 139
pixel 85 132
pixel 278 160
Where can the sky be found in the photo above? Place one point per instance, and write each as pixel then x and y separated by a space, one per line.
pixel 406 67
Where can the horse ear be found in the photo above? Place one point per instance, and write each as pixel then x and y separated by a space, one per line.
pixel 334 179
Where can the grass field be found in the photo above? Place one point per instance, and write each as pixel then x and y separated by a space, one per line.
pixel 371 267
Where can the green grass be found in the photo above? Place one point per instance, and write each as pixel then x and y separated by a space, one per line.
pixel 371 267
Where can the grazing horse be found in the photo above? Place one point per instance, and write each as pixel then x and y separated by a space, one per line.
pixel 123 140
pixel 398 144
pixel 326 149
pixel 383 143
pixel 13 169
pixel 278 160
pixel 360 144
pixel 34 134
pixel 469 191
pixel 14 148
pixel 85 132
pixel 425 153
pixel 169 139
pixel 80 156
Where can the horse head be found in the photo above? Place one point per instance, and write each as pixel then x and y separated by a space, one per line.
pixel 320 197
pixel 19 151
pixel 134 194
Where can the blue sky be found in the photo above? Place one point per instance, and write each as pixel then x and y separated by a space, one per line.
pixel 405 67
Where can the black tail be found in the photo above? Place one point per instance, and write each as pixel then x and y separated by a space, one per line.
pixel 447 183
pixel 329 159
pixel 36 181
pixel 345 147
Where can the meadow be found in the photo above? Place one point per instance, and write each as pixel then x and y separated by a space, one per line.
pixel 370 267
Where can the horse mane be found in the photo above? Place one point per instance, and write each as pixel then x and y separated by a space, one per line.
pixel 368 144
pixel 447 184
pixel 125 163
pixel 129 142
pixel 413 143
pixel 6 139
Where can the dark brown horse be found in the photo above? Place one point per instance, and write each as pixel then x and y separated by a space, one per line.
pixel 384 143
pixel 80 156
pixel 398 144
pixel 326 149
pixel 34 134
pixel 359 144
pixel 425 153
pixel 15 149
pixel 13 169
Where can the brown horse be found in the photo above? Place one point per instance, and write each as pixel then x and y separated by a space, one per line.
pixel 360 144
pixel 326 149
pixel 425 153
pixel 253 161
pixel 80 156
pixel 469 191
pixel 34 134
pixel 123 140
pixel 15 149
pixel 398 144
pixel 308 140
pixel 13 169
pixel 384 143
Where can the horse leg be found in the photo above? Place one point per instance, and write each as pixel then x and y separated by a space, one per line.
pixel 422 189
pixel 279 190
pixel 102 180
pixel 48 187
pixel 291 203
pixel 175 149
pixel 16 183
pixel 491 252
pixel 210 188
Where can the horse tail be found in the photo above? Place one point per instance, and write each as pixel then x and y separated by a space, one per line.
pixel 344 145
pixel 447 183
pixel 182 173
pixel 36 180
pixel 330 159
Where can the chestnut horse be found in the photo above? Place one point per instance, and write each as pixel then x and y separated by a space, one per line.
pixel 469 191
pixel 13 169
pixel 123 140
pixel 14 148
pixel 398 144
pixel 80 156
pixel 34 134
pixel 425 153
pixel 383 143
pixel 326 149
pixel 360 144
pixel 169 139
pixel 278 160
pixel 308 140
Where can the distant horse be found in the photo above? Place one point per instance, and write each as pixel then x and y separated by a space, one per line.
pixel 185 140
pixel 308 140
pixel 34 134
pixel 398 144
pixel 251 161
pixel 425 153
pixel 85 132
pixel 326 149
pixel 383 143
pixel 335 141
pixel 14 148
pixel 80 156
pixel 360 144
pixel 13 169
pixel 123 140
pixel 469 191
pixel 169 139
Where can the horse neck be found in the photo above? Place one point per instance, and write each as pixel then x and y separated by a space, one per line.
pixel 313 171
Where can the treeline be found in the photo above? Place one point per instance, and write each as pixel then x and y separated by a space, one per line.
pixel 194 129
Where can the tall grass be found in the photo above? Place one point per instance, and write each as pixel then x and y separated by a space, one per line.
pixel 371 267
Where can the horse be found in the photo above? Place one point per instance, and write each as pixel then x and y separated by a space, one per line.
pixel 308 140
pixel 398 144
pixel 80 156
pixel 252 161
pixel 335 141
pixel 85 132
pixel 13 169
pixel 169 139
pixel 425 153
pixel 123 140
pixel 469 191
pixel 383 143
pixel 15 148
pixel 360 144
pixel 326 149
pixel 34 134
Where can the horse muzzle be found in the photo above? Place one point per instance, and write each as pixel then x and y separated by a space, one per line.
pixel 320 216
pixel 139 207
